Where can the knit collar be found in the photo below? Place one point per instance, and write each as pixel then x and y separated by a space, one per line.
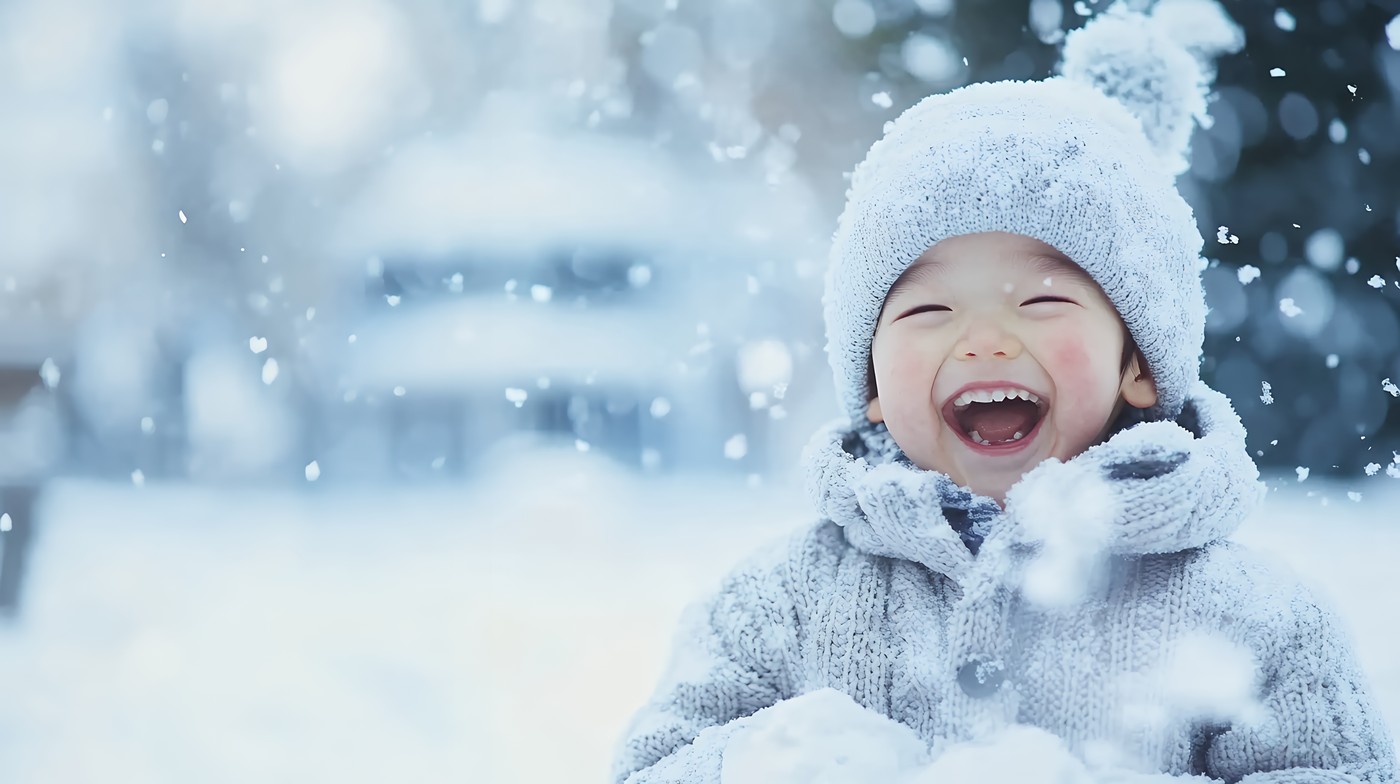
pixel 1154 487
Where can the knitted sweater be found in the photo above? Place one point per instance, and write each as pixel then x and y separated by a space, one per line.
pixel 885 600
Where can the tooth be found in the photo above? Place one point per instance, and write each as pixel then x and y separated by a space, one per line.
pixel 999 395
pixel 963 400
pixel 975 436
pixel 1031 397
pixel 1017 436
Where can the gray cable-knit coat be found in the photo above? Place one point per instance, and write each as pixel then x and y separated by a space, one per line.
pixel 911 597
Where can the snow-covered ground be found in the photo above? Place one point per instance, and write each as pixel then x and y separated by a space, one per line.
pixel 498 631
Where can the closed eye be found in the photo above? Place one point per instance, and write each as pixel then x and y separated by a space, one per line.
pixel 923 309
pixel 1048 298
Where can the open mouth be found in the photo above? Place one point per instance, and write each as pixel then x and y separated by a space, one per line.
pixel 996 418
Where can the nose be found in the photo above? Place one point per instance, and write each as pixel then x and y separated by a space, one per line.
pixel 987 339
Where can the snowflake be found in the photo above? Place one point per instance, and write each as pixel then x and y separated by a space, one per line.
pixel 1288 308
pixel 1248 274
pixel 1390 387
pixel 1224 237
pixel 1268 394
pixel 1376 282
pixel 1372 469
pixel 1302 473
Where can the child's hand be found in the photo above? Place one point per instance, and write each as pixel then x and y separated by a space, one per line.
pixel 823 737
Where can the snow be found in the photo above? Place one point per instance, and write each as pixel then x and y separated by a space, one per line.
pixel 1266 393
pixel 50 373
pixel 269 371
pixel 1224 237
pixel 736 447
pixel 257 345
pixel 854 18
pixel 1390 387
pixel 183 219
pixel 1284 20
pixel 1277 72
pixel 1248 274
pixel 6 523
pixel 313 471
pixel 1288 308
pixel 1302 473
pixel 179 632
pixel 1376 282
pixel 1392 32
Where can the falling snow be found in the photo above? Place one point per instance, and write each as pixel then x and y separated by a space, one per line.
pixel 736 447
pixel 1390 387
pixel 1247 274
pixel 1267 394
pixel 1376 282
pixel 1302 473
pixel 1224 237
pixel 1288 308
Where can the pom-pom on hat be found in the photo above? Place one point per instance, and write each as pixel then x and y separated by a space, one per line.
pixel 1084 161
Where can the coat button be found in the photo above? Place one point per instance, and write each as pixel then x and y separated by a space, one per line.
pixel 981 677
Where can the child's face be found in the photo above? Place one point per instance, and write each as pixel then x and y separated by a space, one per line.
pixel 996 311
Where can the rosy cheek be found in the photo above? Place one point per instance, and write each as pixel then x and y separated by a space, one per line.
pixel 1075 376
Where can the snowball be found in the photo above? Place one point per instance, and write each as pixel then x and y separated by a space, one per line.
pixel 1372 468
pixel 257 345
pixel 1016 754
pixel 823 737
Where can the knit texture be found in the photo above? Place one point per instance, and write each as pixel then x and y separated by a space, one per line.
pixel 1084 162
pixel 883 601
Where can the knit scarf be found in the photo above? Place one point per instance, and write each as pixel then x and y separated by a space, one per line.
pixel 1153 487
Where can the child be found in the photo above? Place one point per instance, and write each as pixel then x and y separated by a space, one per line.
pixel 1025 512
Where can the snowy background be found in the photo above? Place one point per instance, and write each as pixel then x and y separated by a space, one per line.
pixel 378 380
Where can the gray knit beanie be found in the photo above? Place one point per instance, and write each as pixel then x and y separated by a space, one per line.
pixel 1084 161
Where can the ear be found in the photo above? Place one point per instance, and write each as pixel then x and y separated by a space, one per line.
pixel 873 412
pixel 1138 388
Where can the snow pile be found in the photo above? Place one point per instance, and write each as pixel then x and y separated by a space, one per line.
pixel 824 737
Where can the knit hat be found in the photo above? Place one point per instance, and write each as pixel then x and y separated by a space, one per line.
pixel 1084 161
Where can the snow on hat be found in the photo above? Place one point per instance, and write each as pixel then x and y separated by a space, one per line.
pixel 1084 161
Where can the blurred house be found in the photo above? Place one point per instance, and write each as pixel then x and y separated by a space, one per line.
pixel 562 287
